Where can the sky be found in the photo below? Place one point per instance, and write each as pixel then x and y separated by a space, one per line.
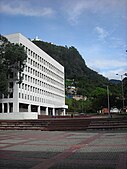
pixel 97 28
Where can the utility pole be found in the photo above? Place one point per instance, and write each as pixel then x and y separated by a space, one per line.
pixel 108 101
pixel 122 88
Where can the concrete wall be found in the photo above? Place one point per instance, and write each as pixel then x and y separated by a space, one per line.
pixel 18 116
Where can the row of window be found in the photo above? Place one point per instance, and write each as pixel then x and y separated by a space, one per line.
pixel 40 83
pixel 42 76
pixel 6 96
pixel 41 60
pixel 40 91
pixel 42 68
pixel 50 100
pixel 41 99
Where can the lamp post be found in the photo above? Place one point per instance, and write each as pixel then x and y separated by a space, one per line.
pixel 122 90
pixel 108 101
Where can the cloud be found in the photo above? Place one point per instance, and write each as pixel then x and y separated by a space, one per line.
pixel 102 33
pixel 98 57
pixel 74 9
pixel 109 68
pixel 110 63
pixel 111 74
pixel 118 43
pixel 105 61
pixel 24 8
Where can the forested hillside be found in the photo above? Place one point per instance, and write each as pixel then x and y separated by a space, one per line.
pixel 87 82
pixel 70 58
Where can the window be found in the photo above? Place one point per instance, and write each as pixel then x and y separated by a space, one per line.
pixel 28 78
pixel 22 85
pixel 28 69
pixel 33 80
pixel 30 97
pixel 11 85
pixel 11 95
pixel 33 72
pixel 29 51
pixel 28 59
pixel 25 77
pixel 25 86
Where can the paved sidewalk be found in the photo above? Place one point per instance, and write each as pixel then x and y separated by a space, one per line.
pixel 63 150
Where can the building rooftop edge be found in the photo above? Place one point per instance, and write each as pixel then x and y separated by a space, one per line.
pixel 22 36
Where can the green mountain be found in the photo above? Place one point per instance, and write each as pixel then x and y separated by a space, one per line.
pixel 87 82
pixel 70 58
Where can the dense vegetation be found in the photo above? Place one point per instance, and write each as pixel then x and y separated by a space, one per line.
pixel 12 57
pixel 71 59
pixel 75 67
pixel 87 82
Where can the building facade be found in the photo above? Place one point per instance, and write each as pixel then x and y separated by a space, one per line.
pixel 42 91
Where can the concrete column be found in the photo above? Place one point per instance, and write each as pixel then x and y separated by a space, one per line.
pixel 16 98
pixel 38 110
pixel 29 108
pixel 16 107
pixel 47 113
pixel 53 112
pixel 2 107
pixel 64 112
pixel 8 108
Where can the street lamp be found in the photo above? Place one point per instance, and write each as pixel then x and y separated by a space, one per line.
pixel 122 90
pixel 108 101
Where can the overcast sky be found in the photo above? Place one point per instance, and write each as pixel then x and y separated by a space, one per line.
pixel 97 28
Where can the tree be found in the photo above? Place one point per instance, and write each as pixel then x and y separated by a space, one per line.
pixel 98 92
pixel 99 98
pixel 12 61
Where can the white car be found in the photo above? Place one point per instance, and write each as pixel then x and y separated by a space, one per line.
pixel 114 110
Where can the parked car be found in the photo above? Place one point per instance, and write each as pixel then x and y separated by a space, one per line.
pixel 114 110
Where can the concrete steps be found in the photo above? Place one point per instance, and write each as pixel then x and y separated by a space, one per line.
pixel 69 124
pixel 23 124
pixel 64 124
pixel 104 124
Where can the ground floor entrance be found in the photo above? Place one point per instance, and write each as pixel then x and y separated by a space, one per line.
pixel 20 108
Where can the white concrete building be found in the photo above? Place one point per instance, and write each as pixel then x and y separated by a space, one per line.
pixel 42 91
